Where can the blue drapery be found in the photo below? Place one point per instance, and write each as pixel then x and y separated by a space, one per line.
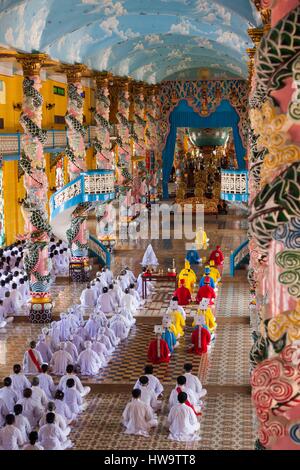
pixel 184 116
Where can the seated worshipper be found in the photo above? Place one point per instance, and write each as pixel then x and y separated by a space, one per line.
pixel 105 302
pixel 218 257
pixel 193 400
pixel 99 348
pixel 4 319
pixel 107 331
pixel 200 337
pixel 175 306
pixel 92 326
pixel 33 442
pixel 21 422
pixel 16 299
pixel 114 294
pixel 192 381
pixel 38 394
pixel 88 298
pixel 148 395
pixel 209 320
pixel 207 274
pixel 59 419
pixel 7 305
pixel 138 418
pixel 78 341
pixel 10 436
pixel 64 327
pixel 128 317
pixel 108 275
pixel 214 273
pixel 130 275
pixel 158 351
pixel 149 287
pixel 54 335
pixel 89 361
pixel 8 395
pixel 183 294
pixel 60 360
pixel 3 412
pixel 51 436
pixel 62 408
pixel 46 382
pixel 168 335
pixel 189 277
pixel 32 412
pixel 32 360
pixel 184 425
pixel 133 291
pixel 73 398
pixel 129 302
pixel 206 292
pixel 149 258
pixel 70 374
pixel 118 325
pixel 123 280
pixel 24 290
pixel 19 381
pixel 71 349
pixel 154 382
pixel 105 340
pixel 44 349
pixel 193 256
pixel 178 322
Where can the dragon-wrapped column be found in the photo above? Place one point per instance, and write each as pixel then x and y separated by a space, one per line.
pixel 32 161
pixel 77 234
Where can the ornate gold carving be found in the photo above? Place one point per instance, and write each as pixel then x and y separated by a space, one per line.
pixel 31 63
pixel 73 72
pixel 271 128
pixel 102 78
pixel 251 53
pixel 256 34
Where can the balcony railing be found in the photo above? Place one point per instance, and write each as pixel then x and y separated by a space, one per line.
pixel 234 185
pixel 238 256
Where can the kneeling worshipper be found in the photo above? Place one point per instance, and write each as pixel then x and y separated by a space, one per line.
pixel 8 395
pixel 188 275
pixel 105 302
pixel 38 394
pixel 175 306
pixel 192 256
pixel 207 274
pixel 206 292
pixel 44 349
pixel 101 350
pixel 129 302
pixel 73 398
pixel 19 381
pixel 46 382
pixel 21 422
pixel 154 382
pixel 149 258
pixel 89 361
pixel 88 298
pixel 60 360
pixel 184 425
pixel 4 319
pixel 193 400
pixel 209 320
pixel 62 408
pixel 32 412
pixel 193 382
pixel 91 327
pixel 200 337
pixel 10 436
pixel 168 335
pixel 71 348
pixel 70 374
pixel 136 295
pixel 33 442
pixel 32 360
pixel 158 351
pixel 107 343
pixel 59 419
pixel 118 325
pixel 148 395
pixel 51 436
pixel 149 287
pixel 138 418
pixel 218 258
pixel 214 273
pixel 126 313
pixel 177 320
pixel 183 294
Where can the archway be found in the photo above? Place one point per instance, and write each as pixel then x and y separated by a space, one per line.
pixel 184 116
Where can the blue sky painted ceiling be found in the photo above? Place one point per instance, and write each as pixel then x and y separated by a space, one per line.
pixel 146 39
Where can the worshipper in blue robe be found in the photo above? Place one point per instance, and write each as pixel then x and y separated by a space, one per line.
pixel 168 335
pixel 193 257
pixel 207 274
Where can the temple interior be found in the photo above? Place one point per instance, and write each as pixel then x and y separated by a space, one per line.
pixel 149 216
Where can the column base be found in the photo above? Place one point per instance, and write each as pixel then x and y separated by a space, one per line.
pixel 40 312
pixel 79 270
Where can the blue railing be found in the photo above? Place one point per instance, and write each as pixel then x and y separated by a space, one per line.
pixel 100 251
pixel 238 256
pixel 91 186
pixel 234 185
pixel 11 143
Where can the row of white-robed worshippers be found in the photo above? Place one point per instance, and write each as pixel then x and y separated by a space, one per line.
pixel 184 406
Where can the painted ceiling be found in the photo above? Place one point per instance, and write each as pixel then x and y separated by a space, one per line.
pixel 149 40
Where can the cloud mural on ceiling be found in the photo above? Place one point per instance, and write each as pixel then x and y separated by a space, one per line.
pixel 149 40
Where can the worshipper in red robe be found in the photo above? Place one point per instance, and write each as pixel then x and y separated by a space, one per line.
pixel 158 351
pixel 183 294
pixel 200 337
pixel 218 257
pixel 206 292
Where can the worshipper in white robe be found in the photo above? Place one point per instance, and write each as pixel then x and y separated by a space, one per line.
pixel 38 394
pixel 8 394
pixel 24 290
pixel 119 290
pixel 60 360
pixel 129 302
pixel 111 335
pixel 148 395
pixel 54 335
pixel 138 418
pixel 10 435
pixel 19 381
pixel 89 361
pixel 70 374
pixel 193 383
pixel 32 412
pixel 99 348
pixel 73 398
pixel 105 302
pixel 78 311
pixel 108 275
pixel 95 288
pixel 46 382
pixel 33 442
pixel 149 258
pixel 119 327
pixel 71 349
pixel 124 280
pixel 62 408
pixel 88 298
pixel 64 327
pixel 7 305
pixel 192 397
pixel 82 332
pixel 133 291
pixel 130 275
pixel 59 419
pixel 16 299
pixel 3 412
pixel 184 425
pixel 92 327
pixel 32 360
pixel 108 348
pixel 78 342
pixel 4 319
pixel 51 436
pixel 114 295
pixel 102 279
pixel 149 287
pixel 21 422
pixel 44 349
pixel 128 317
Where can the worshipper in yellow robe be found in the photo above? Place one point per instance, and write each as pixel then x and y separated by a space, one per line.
pixel 172 327
pixel 201 239
pixel 189 277
pixel 214 272
pixel 210 320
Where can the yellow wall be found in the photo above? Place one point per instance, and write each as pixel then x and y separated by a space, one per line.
pixel 13 188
